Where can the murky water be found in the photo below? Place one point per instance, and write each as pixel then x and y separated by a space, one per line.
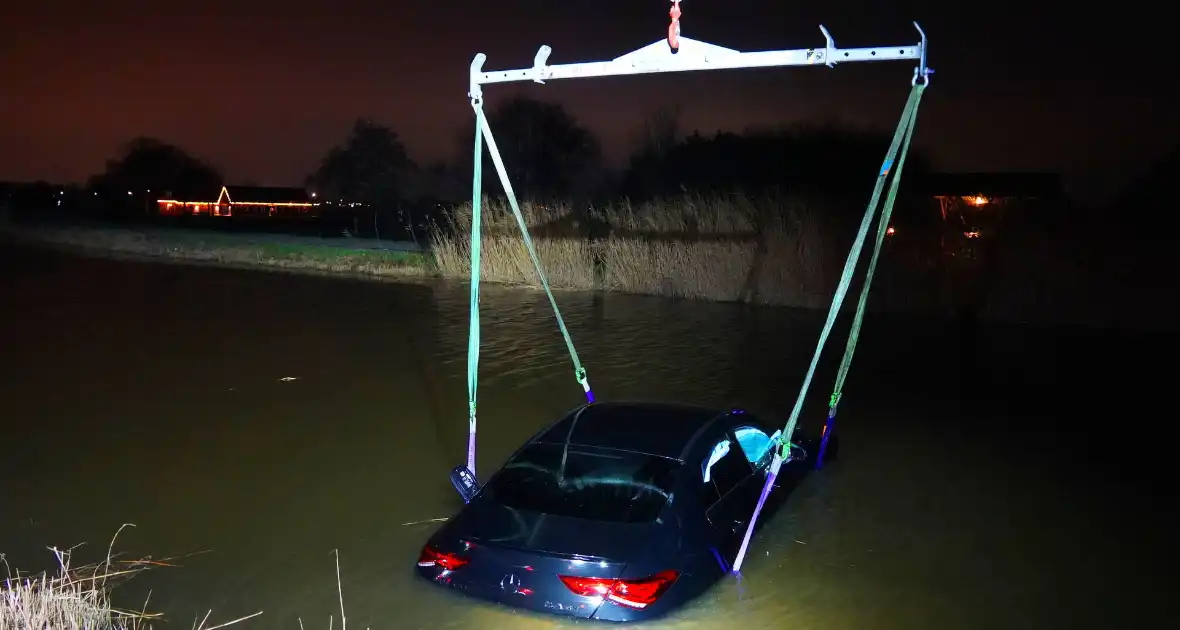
pixel 986 478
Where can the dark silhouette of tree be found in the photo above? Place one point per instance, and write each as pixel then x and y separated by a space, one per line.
pixel 547 153
pixel 371 167
pixel 1148 200
pixel 658 133
pixel 810 160
pixel 149 164
pixel 656 138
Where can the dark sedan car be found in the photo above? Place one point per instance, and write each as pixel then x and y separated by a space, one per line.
pixel 618 511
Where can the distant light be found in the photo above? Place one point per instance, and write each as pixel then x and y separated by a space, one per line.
pixel 979 200
pixel 313 195
pixel 972 234
pixel 890 231
pixel 128 192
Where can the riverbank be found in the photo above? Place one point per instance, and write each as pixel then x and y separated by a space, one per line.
pixel 768 251
pixel 718 249
pixel 365 258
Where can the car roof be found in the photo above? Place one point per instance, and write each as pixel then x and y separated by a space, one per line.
pixel 663 429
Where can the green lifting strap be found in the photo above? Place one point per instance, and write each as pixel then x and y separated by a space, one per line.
pixel 483 132
pixel 882 230
pixel 473 327
pixel 494 151
pixel 901 140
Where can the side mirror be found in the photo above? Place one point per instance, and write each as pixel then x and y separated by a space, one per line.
pixel 465 482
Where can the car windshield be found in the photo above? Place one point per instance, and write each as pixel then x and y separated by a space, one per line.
pixel 596 484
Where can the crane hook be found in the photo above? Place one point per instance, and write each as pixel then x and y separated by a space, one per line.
pixel 674 27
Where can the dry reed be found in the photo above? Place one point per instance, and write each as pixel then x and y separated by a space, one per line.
pixel 79 597
pixel 723 248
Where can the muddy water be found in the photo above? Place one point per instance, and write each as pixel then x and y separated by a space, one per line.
pixel 983 482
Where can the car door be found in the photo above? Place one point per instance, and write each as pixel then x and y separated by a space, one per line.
pixel 724 481
pixel 759 446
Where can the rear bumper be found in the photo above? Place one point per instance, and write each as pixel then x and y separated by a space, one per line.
pixel 507 595
pixel 504 594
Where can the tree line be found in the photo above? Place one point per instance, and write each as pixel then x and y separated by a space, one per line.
pixel 549 155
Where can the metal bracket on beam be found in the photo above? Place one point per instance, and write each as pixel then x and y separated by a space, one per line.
pixel 474 91
pixel 922 70
pixel 539 61
pixel 829 46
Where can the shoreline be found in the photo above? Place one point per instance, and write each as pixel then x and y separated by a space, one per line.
pixel 392 261
pixel 281 253
pixel 344 258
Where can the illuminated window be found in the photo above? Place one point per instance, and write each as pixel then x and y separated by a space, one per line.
pixel 756 445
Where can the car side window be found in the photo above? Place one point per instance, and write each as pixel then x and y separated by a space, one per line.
pixel 756 445
pixel 724 467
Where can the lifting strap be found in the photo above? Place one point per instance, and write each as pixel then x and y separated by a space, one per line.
pixel 483 132
pixel 901 141
pixel 473 326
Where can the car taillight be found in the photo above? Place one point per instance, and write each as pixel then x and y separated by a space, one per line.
pixel 432 557
pixel 639 593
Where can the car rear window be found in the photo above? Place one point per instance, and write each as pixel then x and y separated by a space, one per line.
pixel 597 484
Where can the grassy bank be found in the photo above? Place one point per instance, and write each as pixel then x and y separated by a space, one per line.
pixel 235 250
pixel 723 249
pixel 778 251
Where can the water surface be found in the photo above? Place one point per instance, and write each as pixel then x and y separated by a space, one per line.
pixel 990 477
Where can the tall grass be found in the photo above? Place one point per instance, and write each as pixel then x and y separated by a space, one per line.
pixel 725 248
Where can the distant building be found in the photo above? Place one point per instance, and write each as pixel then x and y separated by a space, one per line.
pixel 956 192
pixel 249 201
pixel 974 206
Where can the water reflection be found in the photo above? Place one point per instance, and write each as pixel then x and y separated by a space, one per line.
pixel 152 395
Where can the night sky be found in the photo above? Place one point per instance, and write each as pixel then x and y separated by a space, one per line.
pixel 262 88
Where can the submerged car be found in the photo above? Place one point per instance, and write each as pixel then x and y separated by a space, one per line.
pixel 616 512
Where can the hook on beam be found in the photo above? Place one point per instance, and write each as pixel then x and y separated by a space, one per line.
pixel 539 62
pixel 829 47
pixel 475 92
pixel 922 70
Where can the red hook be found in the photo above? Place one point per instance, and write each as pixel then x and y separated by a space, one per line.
pixel 674 27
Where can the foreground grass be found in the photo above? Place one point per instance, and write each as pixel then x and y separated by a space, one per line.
pixel 238 250
pixel 79 597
